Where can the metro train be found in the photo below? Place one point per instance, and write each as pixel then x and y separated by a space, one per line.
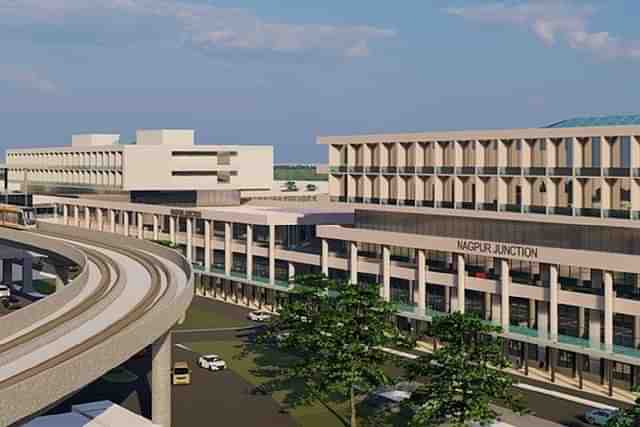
pixel 20 217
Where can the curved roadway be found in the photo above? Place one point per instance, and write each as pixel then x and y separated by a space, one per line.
pixel 128 294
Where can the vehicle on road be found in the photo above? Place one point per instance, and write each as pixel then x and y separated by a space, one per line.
pixel 212 362
pixel 5 293
pixel 181 373
pixel 259 316
pixel 11 303
pixel 599 417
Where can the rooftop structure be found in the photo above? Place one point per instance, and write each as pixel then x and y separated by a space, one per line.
pixel 97 163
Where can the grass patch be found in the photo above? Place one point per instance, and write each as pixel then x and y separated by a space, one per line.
pixel 200 318
pixel 248 366
pixel 44 286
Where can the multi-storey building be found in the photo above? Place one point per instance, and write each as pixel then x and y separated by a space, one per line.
pixel 159 162
pixel 535 230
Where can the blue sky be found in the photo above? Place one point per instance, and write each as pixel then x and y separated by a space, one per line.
pixel 282 72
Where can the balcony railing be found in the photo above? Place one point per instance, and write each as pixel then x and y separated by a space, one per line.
pixel 536 171
pixel 466 205
pixel 488 170
pixel 509 207
pixel 561 210
pixel 627 292
pixel 445 170
pixel 408 170
pixel 561 171
pixel 409 202
pixel 589 171
pixel 535 209
pixel 357 169
pixel 426 203
pixel 581 289
pixel 617 213
pixel 445 204
pixel 589 212
pixel 425 170
pixel 466 170
pixel 338 169
pixel 617 172
pixel 487 206
pixel 372 169
pixel 389 170
pixel 392 202
pixel 511 170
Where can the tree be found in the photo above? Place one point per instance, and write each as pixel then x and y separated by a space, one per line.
pixel 464 375
pixel 336 330
pixel 627 417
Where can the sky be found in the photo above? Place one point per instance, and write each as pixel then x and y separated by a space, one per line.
pixel 282 72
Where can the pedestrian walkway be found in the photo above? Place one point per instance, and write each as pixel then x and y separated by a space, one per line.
pixel 563 381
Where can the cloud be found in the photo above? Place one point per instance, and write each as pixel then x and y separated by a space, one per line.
pixel 26 79
pixel 554 22
pixel 199 25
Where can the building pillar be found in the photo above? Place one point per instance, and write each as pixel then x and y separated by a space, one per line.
pixel 125 223
pixel 76 215
pixel 189 223
pixel 447 299
pixel 292 272
pixel 532 313
pixel 140 225
pixel 228 249
pixel 505 284
pixel 421 279
pixel 553 301
pixel 609 297
pixel 324 257
pixel 353 262
pixel 543 326
pixel 27 274
pixel 386 273
pixel 249 253
pixel 207 244
pixel 65 214
pixel 172 229
pixel 581 321
pixel 87 217
pixel 460 279
pixel 272 254
pixel 112 221
pixel 156 228
pixel 488 308
pixel 100 219
pixel 161 381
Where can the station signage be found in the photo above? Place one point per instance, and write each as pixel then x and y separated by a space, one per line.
pixel 186 214
pixel 497 249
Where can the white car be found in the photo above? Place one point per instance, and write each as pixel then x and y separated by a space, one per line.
pixel 212 362
pixel 5 292
pixel 259 316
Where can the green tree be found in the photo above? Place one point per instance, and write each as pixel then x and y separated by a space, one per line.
pixel 627 417
pixel 464 375
pixel 336 330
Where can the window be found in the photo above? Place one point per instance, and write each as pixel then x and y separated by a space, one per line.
pixel 225 177
pixel 224 159
pixel 194 153
pixel 194 173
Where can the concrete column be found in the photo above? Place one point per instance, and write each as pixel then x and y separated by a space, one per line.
pixel 228 249
pixel 353 262
pixel 421 279
pixel 87 217
pixel 65 214
pixel 76 215
pixel 595 328
pixel 505 285
pixel 27 275
pixel 207 244
pixel 488 306
pixel 581 321
pixel 161 381
pixel 189 222
pixel 447 299
pixel 479 189
pixel 156 228
pixel 272 254
pixel 125 223
pixel 140 225
pixel 460 279
pixel 292 271
pixel 172 229
pixel 324 257
pixel 553 301
pixel 609 298
pixel 543 325
pixel 249 253
pixel 112 221
pixel 532 313
pixel 386 273
pixel 100 219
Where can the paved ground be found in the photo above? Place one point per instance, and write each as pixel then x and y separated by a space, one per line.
pixel 225 397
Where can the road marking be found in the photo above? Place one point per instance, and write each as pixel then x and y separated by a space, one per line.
pixel 184 347
pixel 569 397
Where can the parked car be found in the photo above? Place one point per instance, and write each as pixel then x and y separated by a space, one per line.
pixel 181 373
pixel 212 362
pixel 259 316
pixel 5 293
pixel 599 417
